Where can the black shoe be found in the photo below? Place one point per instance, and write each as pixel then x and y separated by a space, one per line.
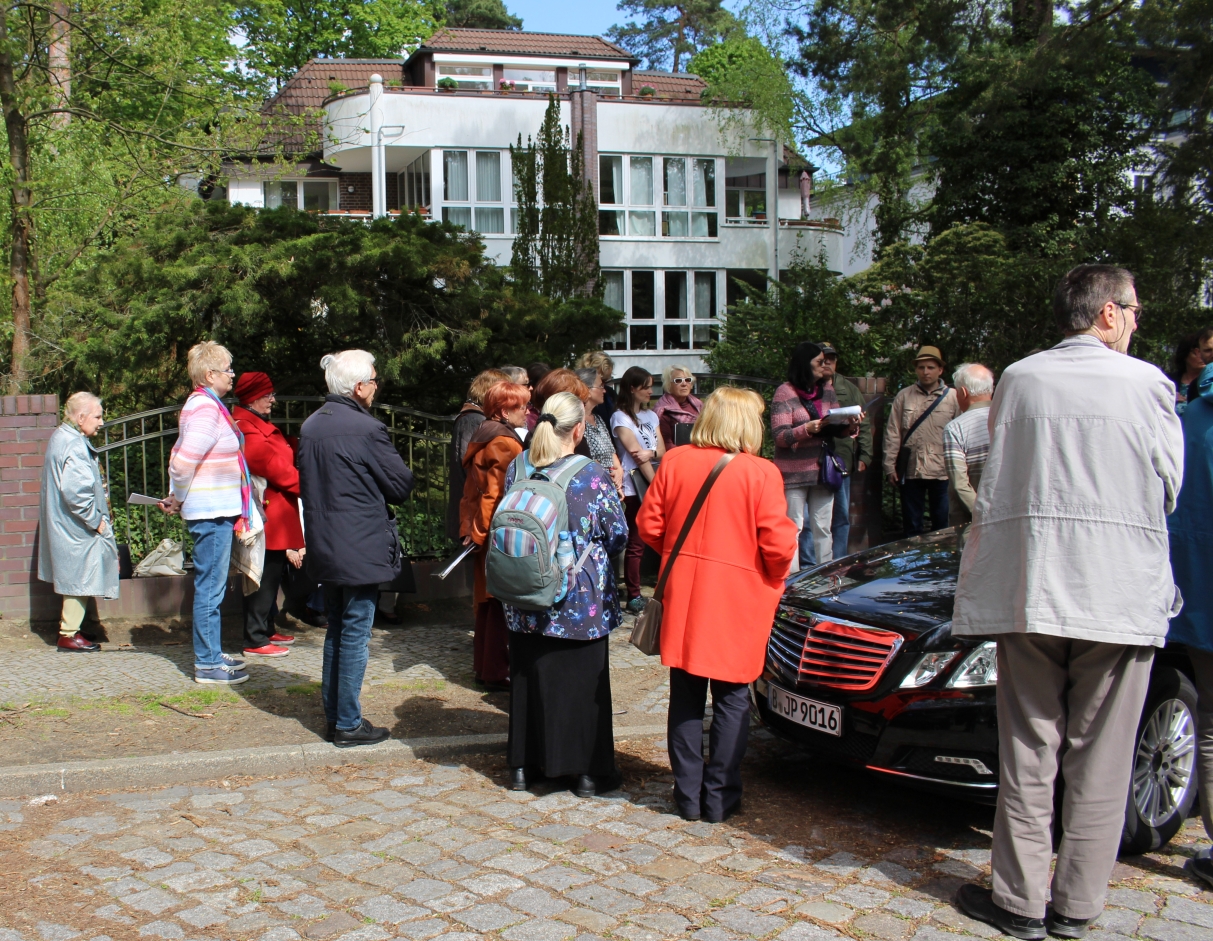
pixel 1202 868
pixel 518 781
pixel 692 818
pixel 330 731
pixel 366 734
pixel 1062 926
pixel 736 808
pixel 587 785
pixel 494 686
pixel 311 618
pixel 979 903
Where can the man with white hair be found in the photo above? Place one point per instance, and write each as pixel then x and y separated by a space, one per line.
pixel 76 547
pixel 966 439
pixel 350 475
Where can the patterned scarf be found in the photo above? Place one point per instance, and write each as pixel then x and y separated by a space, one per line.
pixel 246 482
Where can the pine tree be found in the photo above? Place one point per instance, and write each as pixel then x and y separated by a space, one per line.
pixel 556 245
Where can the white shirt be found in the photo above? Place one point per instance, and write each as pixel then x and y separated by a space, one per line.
pixel 646 432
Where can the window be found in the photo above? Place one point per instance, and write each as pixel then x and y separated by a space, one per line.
pixel 469 77
pixel 525 79
pixel 309 195
pixel 417 183
pixel 485 187
pixel 630 182
pixel 612 296
pixel 745 198
pixel 604 83
pixel 665 310
pixel 454 175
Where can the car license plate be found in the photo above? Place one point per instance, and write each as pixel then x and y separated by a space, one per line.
pixel 821 716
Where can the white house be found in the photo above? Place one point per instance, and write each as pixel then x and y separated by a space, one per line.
pixel 683 202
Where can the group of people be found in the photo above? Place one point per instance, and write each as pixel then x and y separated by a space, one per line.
pixel 1084 538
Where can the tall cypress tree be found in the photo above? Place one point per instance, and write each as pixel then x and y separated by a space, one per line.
pixel 556 244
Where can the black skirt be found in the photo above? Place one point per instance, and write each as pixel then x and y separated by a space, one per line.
pixel 560 706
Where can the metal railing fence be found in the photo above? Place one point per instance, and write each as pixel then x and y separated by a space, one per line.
pixel 135 451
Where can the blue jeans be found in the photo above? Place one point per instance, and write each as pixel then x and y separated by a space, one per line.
pixel 840 527
pixel 212 556
pixel 351 612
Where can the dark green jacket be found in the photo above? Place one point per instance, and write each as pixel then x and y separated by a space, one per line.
pixel 853 450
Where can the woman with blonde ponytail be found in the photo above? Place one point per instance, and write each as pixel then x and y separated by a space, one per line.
pixel 560 683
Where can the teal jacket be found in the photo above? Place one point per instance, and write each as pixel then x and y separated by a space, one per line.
pixel 1191 525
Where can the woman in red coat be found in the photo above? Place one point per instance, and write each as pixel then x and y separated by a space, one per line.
pixel 721 594
pixel 271 456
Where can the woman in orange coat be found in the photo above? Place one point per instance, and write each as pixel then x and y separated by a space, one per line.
pixel 493 447
pixel 721 594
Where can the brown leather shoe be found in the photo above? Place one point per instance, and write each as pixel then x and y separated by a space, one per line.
pixel 77 643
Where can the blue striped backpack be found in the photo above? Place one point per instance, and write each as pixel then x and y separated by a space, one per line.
pixel 521 568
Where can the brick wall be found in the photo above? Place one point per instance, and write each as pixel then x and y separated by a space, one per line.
pixel 26 424
pixel 360 199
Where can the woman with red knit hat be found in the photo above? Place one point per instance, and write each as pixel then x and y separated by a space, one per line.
pixel 271 455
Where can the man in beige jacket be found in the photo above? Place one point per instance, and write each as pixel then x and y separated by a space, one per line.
pixel 1067 568
pixel 923 478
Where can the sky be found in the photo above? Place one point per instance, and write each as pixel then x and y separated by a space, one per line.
pixel 587 17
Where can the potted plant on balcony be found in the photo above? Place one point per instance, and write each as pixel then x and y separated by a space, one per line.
pixel 447 84
pixel 647 91
pixel 505 86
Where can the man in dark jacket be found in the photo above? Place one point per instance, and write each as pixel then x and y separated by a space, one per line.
pixel 856 454
pixel 349 474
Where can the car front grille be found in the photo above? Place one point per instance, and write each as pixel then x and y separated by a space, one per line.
pixel 831 654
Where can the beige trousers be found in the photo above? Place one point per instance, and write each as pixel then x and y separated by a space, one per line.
pixel 820 501
pixel 74 610
pixel 1073 704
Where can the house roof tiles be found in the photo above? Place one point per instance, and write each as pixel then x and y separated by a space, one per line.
pixel 311 85
pixel 676 85
pixel 515 42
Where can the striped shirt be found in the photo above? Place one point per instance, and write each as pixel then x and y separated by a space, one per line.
pixel 967 438
pixel 205 464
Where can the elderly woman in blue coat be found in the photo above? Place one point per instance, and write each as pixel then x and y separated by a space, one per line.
pixel 1191 530
pixel 76 547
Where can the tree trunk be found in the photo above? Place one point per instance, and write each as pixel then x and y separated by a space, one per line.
pixel 21 199
pixel 59 59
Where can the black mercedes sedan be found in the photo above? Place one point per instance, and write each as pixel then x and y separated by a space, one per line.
pixel 862 667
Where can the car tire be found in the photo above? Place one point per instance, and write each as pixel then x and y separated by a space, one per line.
pixel 1163 785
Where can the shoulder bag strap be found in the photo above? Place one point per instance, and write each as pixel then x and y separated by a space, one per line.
pixel 924 416
pixel 659 592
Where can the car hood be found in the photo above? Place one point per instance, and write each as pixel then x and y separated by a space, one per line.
pixel 908 586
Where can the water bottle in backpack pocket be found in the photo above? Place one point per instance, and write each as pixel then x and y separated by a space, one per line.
pixel 522 568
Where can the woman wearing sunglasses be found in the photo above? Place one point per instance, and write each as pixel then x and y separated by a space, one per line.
pixel 678 405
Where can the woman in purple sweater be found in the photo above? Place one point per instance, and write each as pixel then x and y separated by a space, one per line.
pixel 798 424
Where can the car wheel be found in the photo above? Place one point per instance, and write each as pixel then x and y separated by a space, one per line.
pixel 1163 785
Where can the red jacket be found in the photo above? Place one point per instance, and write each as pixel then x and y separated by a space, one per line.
pixel 271 455
pixel 721 595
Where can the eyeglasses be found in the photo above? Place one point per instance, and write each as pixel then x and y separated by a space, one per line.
pixel 682 380
pixel 1138 312
pixel 374 379
pixel 227 372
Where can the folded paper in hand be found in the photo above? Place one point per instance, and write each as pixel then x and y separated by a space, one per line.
pixel 840 416
pixel 140 500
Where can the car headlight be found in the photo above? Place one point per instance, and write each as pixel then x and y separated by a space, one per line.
pixel 928 667
pixel 979 668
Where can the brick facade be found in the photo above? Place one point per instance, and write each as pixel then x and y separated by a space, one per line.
pixel 26 424
pixel 360 199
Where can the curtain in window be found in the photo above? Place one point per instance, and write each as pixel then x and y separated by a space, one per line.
pixel 705 295
pixel 675 181
pixel 612 289
pixel 455 175
pixel 705 182
pixel 488 177
pixel 642 181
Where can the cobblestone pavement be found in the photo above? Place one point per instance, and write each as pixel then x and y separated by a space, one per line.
pixel 428 652
pixel 428 850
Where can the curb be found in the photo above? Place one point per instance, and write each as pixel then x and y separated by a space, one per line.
pixel 192 767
